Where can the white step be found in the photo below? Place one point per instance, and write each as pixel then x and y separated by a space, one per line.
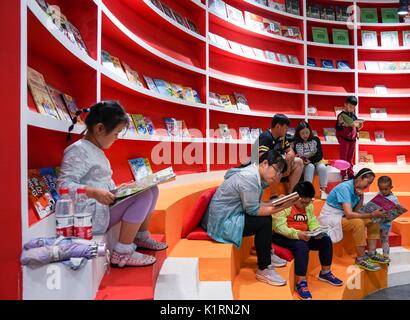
pixel 56 281
pixel 178 280
pixel 398 275
pixel 215 290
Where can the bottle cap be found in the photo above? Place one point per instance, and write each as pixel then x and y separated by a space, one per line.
pixel 63 191
pixel 81 190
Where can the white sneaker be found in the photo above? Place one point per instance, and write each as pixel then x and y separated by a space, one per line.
pixel 276 261
pixel 323 195
pixel 270 276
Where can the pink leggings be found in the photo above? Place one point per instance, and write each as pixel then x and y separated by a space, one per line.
pixel 135 209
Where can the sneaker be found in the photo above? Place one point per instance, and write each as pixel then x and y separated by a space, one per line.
pixel 323 195
pixel 133 259
pixel 270 276
pixel 378 258
pixel 303 290
pixel 367 265
pixel 276 261
pixel 150 244
pixel 330 278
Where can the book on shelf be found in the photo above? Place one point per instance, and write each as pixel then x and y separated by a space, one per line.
pixel 388 65
pixel 295 7
pixel 255 133
pixel 406 38
pixel 369 39
pixel 177 90
pixel 245 133
pixel 314 11
pixel 288 6
pixel 378 113
pixel 368 15
pixel 151 84
pixel 235 46
pixel 134 188
pixel 41 96
pixel 259 53
pixel 221 41
pixel 131 126
pixel 328 13
pixel 241 101
pixel 327 64
pixel 224 131
pixel 218 7
pixel 283 58
pixel 401 160
pixel 348 121
pixel 140 125
pixel 214 99
pixel 404 65
pixel 171 125
pixel 248 51
pixel 330 134
pixel 272 26
pixel 379 136
pixel 320 35
pixel 107 61
pixel 72 29
pixel 150 126
pixel 140 168
pixel 277 4
pixel 234 14
pixel 49 176
pixel 389 39
pixel 271 55
pixel 167 11
pixel 311 62
pixel 254 21
pixel 293 59
pixel 178 18
pixel 57 98
pixel 342 14
pixel 118 68
pixel 371 65
pixel 71 106
pixel 340 36
pixel 196 96
pixel 164 87
pixel 364 136
pixel 380 89
pixel 366 158
pixel 291 32
pixel 338 110
pixel 40 197
pixel 312 111
pixel 191 25
pixel 343 65
pixel 228 102
pixel 390 15
pixel 380 202
pixel 183 131
pixel 188 94
pixel 132 75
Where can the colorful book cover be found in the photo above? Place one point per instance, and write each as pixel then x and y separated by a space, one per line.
pixel 378 113
pixel 77 36
pixel 371 65
pixel 241 101
pixel 293 59
pixel 340 36
pixel 343 65
pixel 406 38
pixel 379 202
pixel 218 7
pixel 291 32
pixel 330 134
pixel 364 136
pixel 311 62
pixel 224 131
pixel 131 125
pixel 196 96
pixel 41 96
pixel 389 39
pixel 368 15
pixel 369 39
pixel 283 58
pixel 379 136
pixel 139 168
pixel 315 11
pixel 390 15
pixel 171 127
pixel 312 111
pixel 320 35
pixel 188 94
pixel 43 5
pixel 177 90
pixel 271 55
pixel 401 159
pixel 49 176
pixel 214 99
pixel 151 84
pixel 327 64
pixel 234 14
pixel 178 18
pixel 71 105
pixel 244 133
pixel 59 103
pixel 107 61
pixel 140 124
pixel 272 26
pixel 164 87
pixel 362 157
pixel 254 21
pixel 227 102
pixel 132 75
pixel 150 126
pixel 118 67
pixel 40 198
pixel 235 47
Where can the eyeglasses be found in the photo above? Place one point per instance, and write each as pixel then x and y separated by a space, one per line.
pixel 278 173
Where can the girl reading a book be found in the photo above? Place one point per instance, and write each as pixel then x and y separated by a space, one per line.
pixel 236 210
pixel 309 148
pixel 293 229
pixel 341 214
pixel 86 166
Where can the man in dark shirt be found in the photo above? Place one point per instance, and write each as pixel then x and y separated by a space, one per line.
pixel 275 138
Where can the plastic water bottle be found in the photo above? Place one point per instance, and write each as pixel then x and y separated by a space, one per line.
pixel 64 214
pixel 82 216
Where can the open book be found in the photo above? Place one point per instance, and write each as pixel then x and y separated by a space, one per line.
pixel 134 188
pixel 279 201
pixel 349 122
pixel 318 231
pixel 380 202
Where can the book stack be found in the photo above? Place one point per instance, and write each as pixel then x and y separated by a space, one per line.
pixel 235 101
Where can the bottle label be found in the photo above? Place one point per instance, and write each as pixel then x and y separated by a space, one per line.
pixel 65 226
pixel 83 226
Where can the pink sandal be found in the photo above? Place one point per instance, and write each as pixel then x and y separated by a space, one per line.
pixel 134 259
pixel 150 244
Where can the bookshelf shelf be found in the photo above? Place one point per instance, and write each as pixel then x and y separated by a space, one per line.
pixel 383 25
pixel 387 143
pixel 329 45
pixel 390 119
pixel 383 49
pixel 326 93
pixel 330 70
pixel 330 22
pixel 254 113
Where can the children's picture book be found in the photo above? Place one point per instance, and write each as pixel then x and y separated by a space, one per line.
pixel 380 89
pixel 389 39
pixel 140 124
pixel 150 126
pixel 364 136
pixel 132 75
pixel 277 4
pixel 322 230
pixel 77 36
pixel 244 133
pixel 272 26
pixel 311 62
pixel 406 38
pixel 177 90
pixel 134 188
pixel 59 103
pixel 196 96
pixel 131 126
pixel 40 197
pixel 369 39
pixel 281 200
pixel 371 65
pixel 401 159
pixel 241 101
pixel 390 15
pixel 368 15
pixel 41 96
pixel 188 94
pixel 348 121
pixel 254 21
pixel 379 136
pixel 235 47
pixel 43 5
pixel 293 59
pixel 71 106
pixel 327 64
pixel 234 14
pixel 107 61
pixel 49 176
pixel 151 84
pixel 378 113
pixel 214 99
pixel 320 35
pixel 343 65
pixel 224 131
pixel 118 67
pixel 328 13
pixel 379 202
pixel 340 36
pixel 171 126
pixel 338 110
pixel 291 32
pixel 271 55
pixel 314 11
pixel 218 7
pixel 164 87
pixel 330 134
pixel 366 158
pixel 140 168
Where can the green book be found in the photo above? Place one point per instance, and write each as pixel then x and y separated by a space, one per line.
pixel 390 15
pixel 320 35
pixel 368 15
pixel 349 122
pixel 340 36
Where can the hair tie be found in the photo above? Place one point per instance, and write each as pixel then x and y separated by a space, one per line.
pixel 366 171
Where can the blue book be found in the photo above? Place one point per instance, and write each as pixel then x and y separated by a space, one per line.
pixel 50 178
pixel 327 64
pixel 164 88
pixel 196 95
pixel 139 168
pixel 311 62
pixel 343 65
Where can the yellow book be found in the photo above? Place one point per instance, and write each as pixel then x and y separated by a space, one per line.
pixel 364 136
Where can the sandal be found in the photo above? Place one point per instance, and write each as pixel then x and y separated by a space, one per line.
pixel 134 259
pixel 150 244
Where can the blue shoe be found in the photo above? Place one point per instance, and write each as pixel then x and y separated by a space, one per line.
pixel 330 278
pixel 303 290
